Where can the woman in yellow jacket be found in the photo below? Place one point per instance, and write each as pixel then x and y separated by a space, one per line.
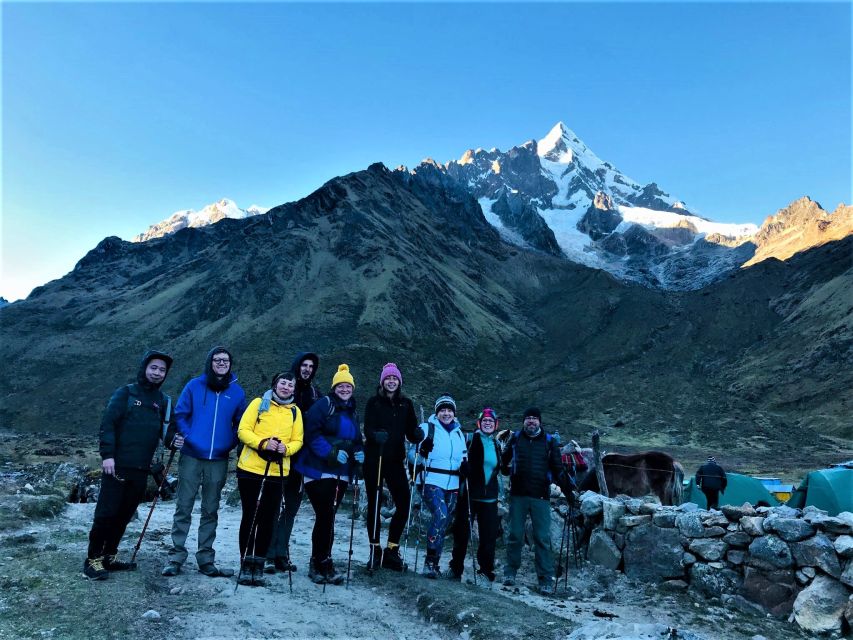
pixel 271 432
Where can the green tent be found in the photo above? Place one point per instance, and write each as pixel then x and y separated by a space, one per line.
pixel 740 489
pixel 827 489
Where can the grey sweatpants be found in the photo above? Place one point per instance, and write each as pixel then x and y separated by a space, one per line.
pixel 209 475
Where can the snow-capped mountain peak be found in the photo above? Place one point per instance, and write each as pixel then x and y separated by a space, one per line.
pixel 211 214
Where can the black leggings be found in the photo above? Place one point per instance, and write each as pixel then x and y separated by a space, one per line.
pixel 249 485
pixel 280 545
pixel 117 501
pixel 325 496
pixel 486 514
pixel 394 475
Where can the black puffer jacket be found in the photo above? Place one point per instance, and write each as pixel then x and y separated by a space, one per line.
pixel 133 420
pixel 711 476
pixel 306 392
pixel 397 418
pixel 532 464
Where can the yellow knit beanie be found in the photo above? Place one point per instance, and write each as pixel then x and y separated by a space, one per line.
pixel 343 375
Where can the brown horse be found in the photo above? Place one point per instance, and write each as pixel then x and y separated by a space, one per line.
pixel 634 474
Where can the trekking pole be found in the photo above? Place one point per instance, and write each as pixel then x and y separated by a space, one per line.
pixel 409 516
pixel 252 533
pixel 153 504
pixel 560 567
pixel 332 529
pixel 283 506
pixel 575 541
pixel 352 520
pixel 423 485
pixel 376 504
pixel 471 532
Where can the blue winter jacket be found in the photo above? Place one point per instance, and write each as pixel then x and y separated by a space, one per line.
pixel 208 419
pixel 327 434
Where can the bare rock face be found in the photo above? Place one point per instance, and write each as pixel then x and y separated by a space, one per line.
pixel 773 590
pixel 844 546
pixel 820 607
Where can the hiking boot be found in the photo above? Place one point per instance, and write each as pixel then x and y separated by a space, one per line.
pixel 251 573
pixel 453 574
pixel 269 566
pixel 391 559
pixel 284 564
pixel 547 586
pixel 315 572
pixel 93 568
pixel 112 563
pixel 375 560
pixel 332 576
pixel 431 569
pixel 212 571
pixel 509 579
pixel 171 569
pixel 489 576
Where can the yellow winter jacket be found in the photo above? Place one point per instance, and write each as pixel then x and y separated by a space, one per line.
pixel 279 423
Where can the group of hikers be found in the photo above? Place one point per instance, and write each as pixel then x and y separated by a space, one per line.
pixel 294 439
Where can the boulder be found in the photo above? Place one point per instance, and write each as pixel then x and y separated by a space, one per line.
pixel 841 524
pixel 742 604
pixel 736 556
pixel 707 549
pixel 591 505
pixel 817 552
pixel 633 505
pixel 773 590
pixel 753 525
pixel 652 553
pixel 688 507
pixel 613 510
pixel 847 575
pixel 770 552
pixel 714 532
pixel 664 519
pixel 687 559
pixel 734 513
pixel 802 578
pixel 811 511
pixel 603 551
pixel 674 585
pixel 690 525
pixel 844 546
pixel 789 529
pixel 635 521
pixel 810 572
pixel 848 611
pixel 739 539
pixel 820 607
pixel 713 519
pixel 650 508
pixel 785 511
pixel 619 539
pixel 712 582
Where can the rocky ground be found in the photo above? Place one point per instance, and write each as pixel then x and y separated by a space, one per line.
pixel 43 541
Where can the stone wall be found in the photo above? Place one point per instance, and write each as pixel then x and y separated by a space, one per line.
pixel 791 562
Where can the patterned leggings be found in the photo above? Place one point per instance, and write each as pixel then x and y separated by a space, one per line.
pixel 441 504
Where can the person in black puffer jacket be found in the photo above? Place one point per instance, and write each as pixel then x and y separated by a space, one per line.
pixel 484 457
pixel 712 480
pixel 532 460
pixel 389 420
pixel 131 429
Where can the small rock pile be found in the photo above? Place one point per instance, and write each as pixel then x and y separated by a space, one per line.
pixel 791 562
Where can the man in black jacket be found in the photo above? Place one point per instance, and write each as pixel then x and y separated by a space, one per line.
pixel 532 460
pixel 712 480
pixel 304 367
pixel 130 430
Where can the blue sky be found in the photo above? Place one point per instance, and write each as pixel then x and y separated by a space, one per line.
pixel 116 115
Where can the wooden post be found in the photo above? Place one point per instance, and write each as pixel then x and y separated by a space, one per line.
pixel 599 465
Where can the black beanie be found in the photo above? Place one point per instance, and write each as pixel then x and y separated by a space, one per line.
pixel 533 411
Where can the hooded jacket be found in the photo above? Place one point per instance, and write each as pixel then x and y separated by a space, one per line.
pixel 449 449
pixel 331 425
pixel 282 421
pixel 208 419
pixel 306 392
pixel 132 424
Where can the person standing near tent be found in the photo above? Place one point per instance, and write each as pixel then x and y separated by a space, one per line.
pixel 304 368
pixel 532 460
pixel 207 415
pixel 389 420
pixel 711 479
pixel 481 495
pixel 444 462
pixel 333 451
pixel 272 433
pixel 131 428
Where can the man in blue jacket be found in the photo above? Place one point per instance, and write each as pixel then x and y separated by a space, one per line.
pixel 207 416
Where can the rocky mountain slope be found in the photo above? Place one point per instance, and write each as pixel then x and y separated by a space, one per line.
pixel 386 265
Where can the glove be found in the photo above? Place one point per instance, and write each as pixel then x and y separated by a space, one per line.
pixel 342 457
pixel 358 456
pixel 426 447
pixel 380 437
pixel 464 469
pixel 177 442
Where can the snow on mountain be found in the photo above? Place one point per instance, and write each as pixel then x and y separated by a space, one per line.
pixel 667 219
pixel 210 214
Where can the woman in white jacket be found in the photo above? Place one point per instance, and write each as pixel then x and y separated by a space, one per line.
pixel 444 463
